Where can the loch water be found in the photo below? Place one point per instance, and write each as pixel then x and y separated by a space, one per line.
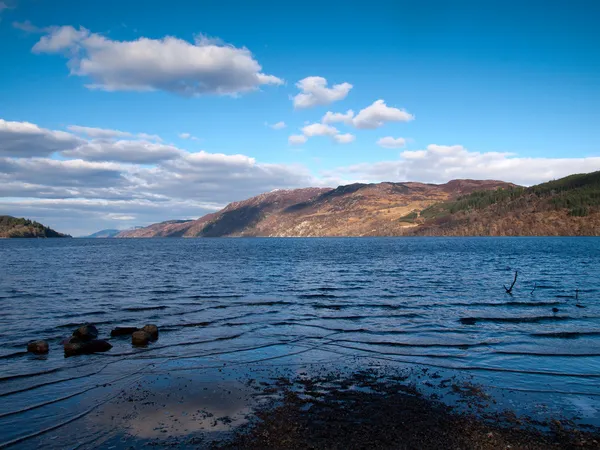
pixel 436 303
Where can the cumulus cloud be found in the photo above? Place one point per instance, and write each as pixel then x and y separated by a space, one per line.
pixel 331 117
pixel 319 129
pixel 58 173
pixel 205 66
pixel 297 139
pixel 391 142
pixel 441 163
pixel 377 114
pixel 127 151
pixel 315 92
pixel 277 126
pixel 24 139
pixel 373 116
pixel 344 138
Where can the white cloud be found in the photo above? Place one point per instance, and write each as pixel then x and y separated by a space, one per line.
pixel 344 138
pixel 27 27
pixel 205 66
pixel 297 139
pixel 331 117
pixel 277 126
pixel 391 142
pixel 441 163
pixel 101 133
pixel 377 114
pixel 105 133
pixel 315 92
pixel 3 6
pixel 139 152
pixel 188 136
pixel 24 139
pixel 117 216
pixel 57 173
pixel 319 129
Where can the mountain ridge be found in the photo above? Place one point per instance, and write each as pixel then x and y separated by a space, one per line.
pixel 358 209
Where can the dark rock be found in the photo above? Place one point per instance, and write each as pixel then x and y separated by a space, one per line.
pixel 554 310
pixel 86 332
pixel 468 320
pixel 76 346
pixel 38 347
pixel 141 337
pixel 123 331
pixel 152 330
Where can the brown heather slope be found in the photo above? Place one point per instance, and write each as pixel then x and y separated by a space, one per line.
pixel 382 209
pixel 569 206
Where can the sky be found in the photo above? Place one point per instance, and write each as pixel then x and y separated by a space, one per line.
pixel 117 114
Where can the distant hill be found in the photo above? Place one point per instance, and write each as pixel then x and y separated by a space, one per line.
pixel 569 206
pixel 163 229
pixel 104 234
pixel 353 210
pixel 12 227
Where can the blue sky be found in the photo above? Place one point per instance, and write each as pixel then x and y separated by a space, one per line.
pixel 498 89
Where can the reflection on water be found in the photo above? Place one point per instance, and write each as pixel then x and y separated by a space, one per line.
pixel 273 303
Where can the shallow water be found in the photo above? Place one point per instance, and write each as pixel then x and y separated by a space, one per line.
pixel 437 302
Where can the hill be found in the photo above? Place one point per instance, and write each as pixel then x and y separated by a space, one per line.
pixel 103 234
pixel 383 209
pixel 569 206
pixel 12 227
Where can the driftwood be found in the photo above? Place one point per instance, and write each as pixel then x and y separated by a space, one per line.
pixel 509 290
pixel 534 286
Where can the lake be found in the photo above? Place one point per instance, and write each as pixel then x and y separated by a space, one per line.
pixel 435 303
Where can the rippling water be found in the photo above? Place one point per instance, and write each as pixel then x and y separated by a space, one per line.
pixel 439 302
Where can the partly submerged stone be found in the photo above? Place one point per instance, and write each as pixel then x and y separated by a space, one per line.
pixel 86 332
pixel 141 337
pixel 38 347
pixel 152 330
pixel 76 346
pixel 123 331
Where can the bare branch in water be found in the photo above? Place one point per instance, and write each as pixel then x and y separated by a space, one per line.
pixel 509 290
pixel 534 286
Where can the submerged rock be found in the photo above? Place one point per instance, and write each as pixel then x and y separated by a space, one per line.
pixel 86 332
pixel 141 337
pixel 38 347
pixel 123 331
pixel 152 330
pixel 75 346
